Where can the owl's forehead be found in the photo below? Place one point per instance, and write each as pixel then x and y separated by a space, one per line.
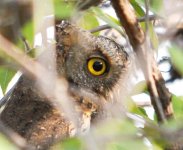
pixel 84 42
pixel 69 34
pixel 103 46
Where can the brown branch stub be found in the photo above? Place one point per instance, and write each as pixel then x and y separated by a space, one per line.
pixel 160 96
pixel 127 16
pixel 164 94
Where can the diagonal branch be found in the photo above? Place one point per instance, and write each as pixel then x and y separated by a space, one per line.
pixel 15 138
pixel 160 96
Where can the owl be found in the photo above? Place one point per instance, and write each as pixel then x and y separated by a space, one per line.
pixel 93 64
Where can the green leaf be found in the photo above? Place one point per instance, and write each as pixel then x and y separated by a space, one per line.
pixel 120 135
pixel 115 127
pixel 132 107
pixel 154 133
pixel 140 87
pixel 63 10
pixel 153 36
pixel 138 8
pixel 176 54
pixel 156 147
pixel 105 17
pixel 127 145
pixel 88 21
pixel 139 111
pixel 69 144
pixel 178 106
pixel 116 21
pixel 6 75
pixel 6 144
pixel 28 33
pixel 155 5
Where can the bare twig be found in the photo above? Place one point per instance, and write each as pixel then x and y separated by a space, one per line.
pixel 85 4
pixel 160 96
pixel 150 18
pixel 27 47
pixel 100 28
pixel 141 19
pixel 6 97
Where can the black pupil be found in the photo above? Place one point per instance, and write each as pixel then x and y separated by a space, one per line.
pixel 97 66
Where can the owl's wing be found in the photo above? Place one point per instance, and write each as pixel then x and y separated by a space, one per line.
pixel 33 117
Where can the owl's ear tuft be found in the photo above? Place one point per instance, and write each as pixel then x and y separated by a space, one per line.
pixel 67 33
pixel 63 25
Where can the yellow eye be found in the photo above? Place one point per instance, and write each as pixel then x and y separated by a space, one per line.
pixel 97 66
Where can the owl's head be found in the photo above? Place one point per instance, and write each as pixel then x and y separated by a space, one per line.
pixel 90 62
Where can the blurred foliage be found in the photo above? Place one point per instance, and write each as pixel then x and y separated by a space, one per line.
pixel 5 144
pixel 155 5
pixel 111 135
pixel 178 106
pixel 28 33
pixel 153 36
pixel 6 75
pixel 139 87
pixel 63 10
pixel 176 57
pixel 88 21
pixel 139 111
pixel 7 70
pixel 115 127
pixel 114 23
pixel 69 144
pixel 138 8
pixel 115 134
pixel 126 145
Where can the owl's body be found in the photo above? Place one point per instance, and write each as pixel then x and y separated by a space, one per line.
pixel 86 62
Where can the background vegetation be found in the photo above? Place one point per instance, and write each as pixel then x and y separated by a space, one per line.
pixel 21 21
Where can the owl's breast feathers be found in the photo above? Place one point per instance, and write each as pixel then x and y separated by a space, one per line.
pixel 33 116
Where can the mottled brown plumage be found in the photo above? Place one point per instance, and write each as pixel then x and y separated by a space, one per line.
pixel 32 115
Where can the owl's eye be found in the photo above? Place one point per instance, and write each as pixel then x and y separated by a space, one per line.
pixel 97 66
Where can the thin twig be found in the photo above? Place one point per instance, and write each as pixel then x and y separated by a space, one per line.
pixel 82 5
pixel 100 28
pixel 150 17
pixel 141 19
pixel 7 96
pixel 27 47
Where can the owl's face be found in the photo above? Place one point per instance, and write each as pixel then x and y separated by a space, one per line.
pixel 91 62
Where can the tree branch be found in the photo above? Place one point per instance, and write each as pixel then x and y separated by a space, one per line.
pixel 15 138
pixel 160 96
